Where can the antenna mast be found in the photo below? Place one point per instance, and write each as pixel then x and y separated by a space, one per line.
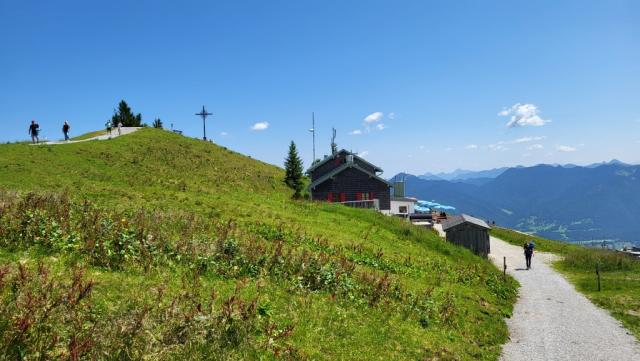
pixel 334 146
pixel 313 134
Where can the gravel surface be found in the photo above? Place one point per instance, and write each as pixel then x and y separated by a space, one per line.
pixel 552 321
pixel 114 134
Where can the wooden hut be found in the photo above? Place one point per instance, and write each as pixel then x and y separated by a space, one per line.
pixel 346 178
pixel 469 232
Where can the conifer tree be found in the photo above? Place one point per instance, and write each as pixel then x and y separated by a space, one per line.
pixel 125 116
pixel 157 123
pixel 293 171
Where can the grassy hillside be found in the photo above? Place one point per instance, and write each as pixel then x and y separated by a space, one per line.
pixel 153 245
pixel 620 275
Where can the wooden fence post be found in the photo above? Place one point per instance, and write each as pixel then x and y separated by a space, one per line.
pixel 598 274
pixel 504 272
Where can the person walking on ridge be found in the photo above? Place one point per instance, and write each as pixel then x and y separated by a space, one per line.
pixel 34 129
pixel 528 252
pixel 119 128
pixel 108 125
pixel 65 130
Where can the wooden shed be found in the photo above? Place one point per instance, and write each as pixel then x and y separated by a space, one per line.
pixel 469 232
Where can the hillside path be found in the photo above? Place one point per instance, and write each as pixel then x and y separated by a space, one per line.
pixel 553 321
pixel 114 134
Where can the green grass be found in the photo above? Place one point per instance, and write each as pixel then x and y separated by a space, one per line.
pixel 542 244
pixel 620 274
pixel 169 211
pixel 90 135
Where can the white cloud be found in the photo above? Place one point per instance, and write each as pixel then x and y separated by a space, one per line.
pixel 392 116
pixel 565 148
pixel 224 134
pixel 422 146
pixel 498 147
pixel 471 146
pixel 536 147
pixel 373 117
pixel 363 154
pixel 380 126
pixel 527 139
pixel 523 115
pixel 260 126
pixel 356 132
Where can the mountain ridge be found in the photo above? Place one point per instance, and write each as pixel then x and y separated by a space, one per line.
pixel 574 203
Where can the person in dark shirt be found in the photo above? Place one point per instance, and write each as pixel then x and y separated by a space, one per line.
pixel 65 130
pixel 34 129
pixel 528 252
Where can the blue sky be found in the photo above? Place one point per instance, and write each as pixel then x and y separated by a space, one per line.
pixel 438 82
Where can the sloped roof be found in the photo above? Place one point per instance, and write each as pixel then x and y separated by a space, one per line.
pixel 342 168
pixel 464 218
pixel 331 157
pixel 404 199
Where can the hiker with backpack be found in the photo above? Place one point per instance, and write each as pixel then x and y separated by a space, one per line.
pixel 108 125
pixel 34 129
pixel 528 252
pixel 65 130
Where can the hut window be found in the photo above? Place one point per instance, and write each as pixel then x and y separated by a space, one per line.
pixel 330 197
pixel 343 197
pixel 402 209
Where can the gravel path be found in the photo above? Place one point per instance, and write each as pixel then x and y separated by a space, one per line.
pixel 552 321
pixel 114 134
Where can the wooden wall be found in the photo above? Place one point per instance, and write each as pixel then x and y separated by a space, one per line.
pixel 470 236
pixel 350 182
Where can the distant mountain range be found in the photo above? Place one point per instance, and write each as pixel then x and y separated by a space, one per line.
pixel 462 174
pixel 568 202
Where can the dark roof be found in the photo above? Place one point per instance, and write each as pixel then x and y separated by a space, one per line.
pixel 404 199
pixel 457 220
pixel 342 168
pixel 328 158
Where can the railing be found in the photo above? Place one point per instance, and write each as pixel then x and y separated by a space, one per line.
pixel 369 204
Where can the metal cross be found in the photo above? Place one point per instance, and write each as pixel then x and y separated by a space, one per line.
pixel 204 116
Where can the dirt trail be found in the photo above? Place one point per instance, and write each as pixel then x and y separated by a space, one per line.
pixel 114 134
pixel 553 321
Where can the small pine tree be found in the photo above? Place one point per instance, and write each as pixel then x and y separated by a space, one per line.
pixel 125 116
pixel 293 171
pixel 157 123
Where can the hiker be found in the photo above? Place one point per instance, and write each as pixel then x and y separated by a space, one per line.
pixel 108 125
pixel 65 130
pixel 528 252
pixel 119 128
pixel 34 129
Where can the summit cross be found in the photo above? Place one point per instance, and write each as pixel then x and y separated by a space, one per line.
pixel 204 116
